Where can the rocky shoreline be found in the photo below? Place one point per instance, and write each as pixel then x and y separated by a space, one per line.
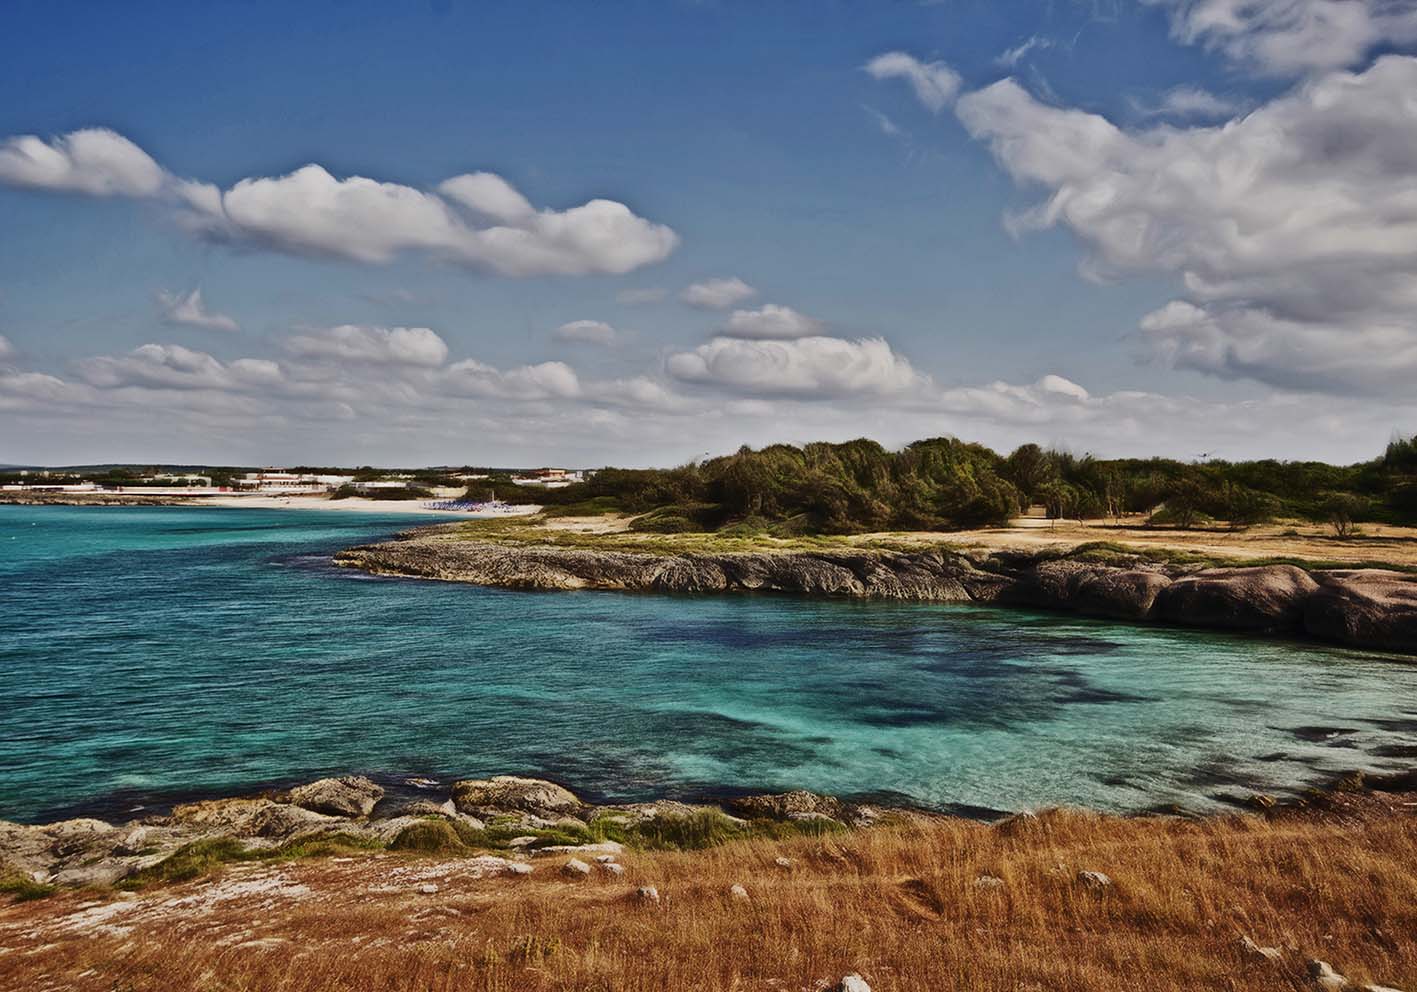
pixel 509 817
pixel 1366 608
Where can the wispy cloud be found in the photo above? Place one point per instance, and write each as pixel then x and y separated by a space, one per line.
pixel 189 310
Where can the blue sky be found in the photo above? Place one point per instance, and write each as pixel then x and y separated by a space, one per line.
pixel 1204 280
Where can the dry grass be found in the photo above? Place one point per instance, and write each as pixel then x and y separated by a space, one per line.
pixel 898 905
pixel 1296 541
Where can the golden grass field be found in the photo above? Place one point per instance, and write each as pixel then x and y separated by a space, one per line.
pixel 899 905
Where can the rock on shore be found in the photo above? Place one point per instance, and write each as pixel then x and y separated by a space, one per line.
pixel 1364 608
pixel 88 852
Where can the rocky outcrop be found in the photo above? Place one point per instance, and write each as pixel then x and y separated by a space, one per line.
pixel 1267 598
pixel 1362 608
pixel 1371 607
pixel 509 794
pixel 88 852
pixel 352 795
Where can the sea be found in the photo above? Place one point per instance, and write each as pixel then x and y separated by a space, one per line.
pixel 151 655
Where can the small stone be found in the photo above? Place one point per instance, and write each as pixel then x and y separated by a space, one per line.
pixel 784 862
pixel 1254 950
pixel 1094 880
pixel 988 882
pixel 739 893
pixel 611 868
pixel 648 893
pixel 428 889
pixel 576 868
pixel 605 859
pixel 853 983
pixel 517 868
pixel 1325 977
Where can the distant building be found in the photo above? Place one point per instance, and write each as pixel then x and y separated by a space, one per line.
pixel 550 478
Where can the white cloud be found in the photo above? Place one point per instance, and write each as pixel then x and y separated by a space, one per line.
pixel 717 294
pixel 189 310
pixel 6 348
pixel 171 366
pixel 476 220
pixel 93 162
pixel 1290 37
pixel 1293 228
pixel 818 367
pixel 416 346
pixel 634 297
pixel 935 84
pixel 1190 102
pixel 771 321
pixel 588 332
pixel 1013 56
pixel 528 382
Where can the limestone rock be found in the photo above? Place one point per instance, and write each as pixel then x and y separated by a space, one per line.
pixel 352 795
pixel 511 793
pixel 739 893
pixel 416 807
pixel 1254 950
pixel 647 893
pixel 853 983
pixel 796 805
pixel 576 868
pixel 611 868
pixel 1259 598
pixel 1094 880
pixel 1369 608
pixel 988 882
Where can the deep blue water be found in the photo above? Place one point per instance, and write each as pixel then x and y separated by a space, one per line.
pixel 154 653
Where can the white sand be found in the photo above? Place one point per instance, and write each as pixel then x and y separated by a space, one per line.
pixel 355 504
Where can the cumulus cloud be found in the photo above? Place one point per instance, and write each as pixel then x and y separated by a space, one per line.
pixel 418 346
pixel 820 367
pixel 717 294
pixel 1293 228
pixel 1290 37
pixel 171 366
pixel 189 310
pixel 544 381
pixel 771 321
pixel 588 332
pixel 93 162
pixel 477 220
pixel 935 84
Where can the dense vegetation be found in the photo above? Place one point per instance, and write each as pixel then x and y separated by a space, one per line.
pixel 944 483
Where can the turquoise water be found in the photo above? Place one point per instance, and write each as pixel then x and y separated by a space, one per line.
pixel 151 654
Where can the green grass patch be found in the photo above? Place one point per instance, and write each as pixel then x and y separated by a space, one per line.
pixel 22 888
pixel 206 856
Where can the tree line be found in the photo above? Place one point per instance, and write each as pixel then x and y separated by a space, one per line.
pixel 948 484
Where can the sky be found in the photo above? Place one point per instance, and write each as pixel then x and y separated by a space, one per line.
pixel 639 233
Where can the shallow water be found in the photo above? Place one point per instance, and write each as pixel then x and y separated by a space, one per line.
pixel 148 654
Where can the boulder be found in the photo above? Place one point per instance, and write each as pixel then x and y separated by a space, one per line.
pixel 99 874
pixel 1257 598
pixel 1118 594
pixel 1369 608
pixel 1253 950
pixel 1094 880
pixel 611 868
pixel 576 868
pixel 416 807
pixel 352 795
pixel 796 805
pixel 512 794
pixel 853 983
pixel 1325 977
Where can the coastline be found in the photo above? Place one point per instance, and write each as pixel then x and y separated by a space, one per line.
pixel 352 504
pixel 1365 608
